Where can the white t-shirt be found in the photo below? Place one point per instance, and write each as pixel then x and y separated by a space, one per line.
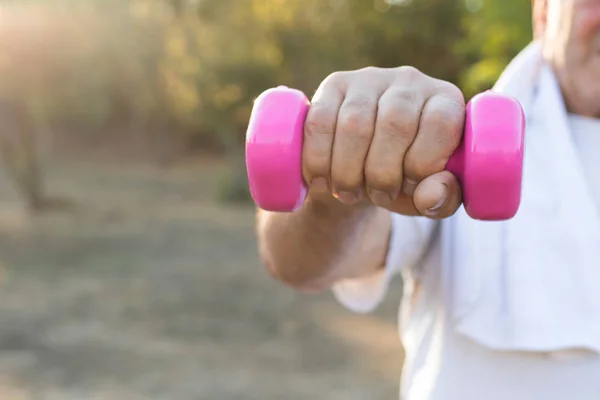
pixel 442 365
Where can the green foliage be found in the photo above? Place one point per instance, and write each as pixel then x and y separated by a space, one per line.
pixel 195 67
pixel 495 32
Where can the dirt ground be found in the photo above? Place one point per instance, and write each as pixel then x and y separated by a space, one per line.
pixel 148 289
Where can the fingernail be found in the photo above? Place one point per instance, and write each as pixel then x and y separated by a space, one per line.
pixel 319 184
pixel 409 186
pixel 380 198
pixel 443 199
pixel 348 198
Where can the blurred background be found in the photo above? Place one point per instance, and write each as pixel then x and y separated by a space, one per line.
pixel 128 267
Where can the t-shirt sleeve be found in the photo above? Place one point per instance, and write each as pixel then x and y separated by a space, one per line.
pixel 409 239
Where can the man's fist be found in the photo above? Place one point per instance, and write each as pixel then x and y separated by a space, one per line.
pixel 383 136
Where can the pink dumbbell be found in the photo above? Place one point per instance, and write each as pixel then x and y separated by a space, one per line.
pixel 488 163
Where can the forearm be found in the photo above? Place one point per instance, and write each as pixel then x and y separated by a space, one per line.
pixel 318 245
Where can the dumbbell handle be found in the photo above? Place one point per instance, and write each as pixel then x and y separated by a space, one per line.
pixel 488 163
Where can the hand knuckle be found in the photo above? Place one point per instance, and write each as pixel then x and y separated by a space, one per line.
pixel 336 78
pixel 380 177
pixel 402 94
pixel 364 70
pixel 361 136
pixel 445 114
pixel 316 122
pixel 312 127
pixel 397 125
pixel 370 71
pixel 397 131
pixel 358 103
pixel 409 72
pixel 452 92
pixel 355 117
pixel 355 126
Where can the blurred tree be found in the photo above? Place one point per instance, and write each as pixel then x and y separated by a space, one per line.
pixel 419 33
pixel 495 32
pixel 19 152
pixel 157 76
pixel 262 43
pixel 23 79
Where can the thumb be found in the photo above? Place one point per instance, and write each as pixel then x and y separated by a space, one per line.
pixel 438 196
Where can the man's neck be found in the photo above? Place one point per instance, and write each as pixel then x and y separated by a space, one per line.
pixel 575 100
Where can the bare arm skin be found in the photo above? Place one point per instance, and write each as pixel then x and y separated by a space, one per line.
pixel 319 245
pixel 376 142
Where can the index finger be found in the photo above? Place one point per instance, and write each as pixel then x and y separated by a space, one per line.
pixel 319 129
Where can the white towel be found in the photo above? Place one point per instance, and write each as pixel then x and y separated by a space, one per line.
pixel 531 283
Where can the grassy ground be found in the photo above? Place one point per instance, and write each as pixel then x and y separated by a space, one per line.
pixel 150 290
